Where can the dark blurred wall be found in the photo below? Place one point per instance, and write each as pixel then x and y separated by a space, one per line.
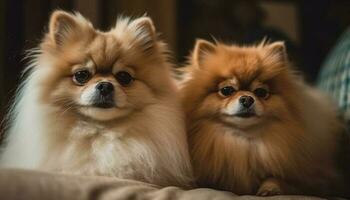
pixel 322 22
pixel 13 40
pixel 2 21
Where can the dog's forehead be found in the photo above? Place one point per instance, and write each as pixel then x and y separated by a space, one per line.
pixel 245 66
pixel 241 60
pixel 104 50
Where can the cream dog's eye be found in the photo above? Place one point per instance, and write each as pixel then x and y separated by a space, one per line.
pixel 227 91
pixel 124 78
pixel 261 92
pixel 81 77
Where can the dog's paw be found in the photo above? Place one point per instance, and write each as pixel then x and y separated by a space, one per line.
pixel 269 188
pixel 269 191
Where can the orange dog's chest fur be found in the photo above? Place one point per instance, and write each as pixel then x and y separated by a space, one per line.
pixel 224 158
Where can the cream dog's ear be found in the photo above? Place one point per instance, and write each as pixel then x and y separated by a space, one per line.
pixel 201 49
pixel 64 26
pixel 146 32
pixel 145 25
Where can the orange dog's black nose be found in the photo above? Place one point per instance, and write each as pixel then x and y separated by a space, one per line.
pixel 105 88
pixel 246 101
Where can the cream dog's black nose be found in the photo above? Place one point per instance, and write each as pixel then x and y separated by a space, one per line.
pixel 246 101
pixel 105 88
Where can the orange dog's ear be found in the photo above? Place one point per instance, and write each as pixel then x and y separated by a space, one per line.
pixel 64 26
pixel 274 58
pixel 201 50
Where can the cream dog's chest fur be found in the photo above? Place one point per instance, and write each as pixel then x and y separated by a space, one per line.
pixel 98 150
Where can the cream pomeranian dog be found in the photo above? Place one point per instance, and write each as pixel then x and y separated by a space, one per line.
pixel 99 103
pixel 254 127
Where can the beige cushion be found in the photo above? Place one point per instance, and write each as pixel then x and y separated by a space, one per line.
pixel 21 184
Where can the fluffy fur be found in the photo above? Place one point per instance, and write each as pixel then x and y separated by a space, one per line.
pixel 53 126
pixel 286 141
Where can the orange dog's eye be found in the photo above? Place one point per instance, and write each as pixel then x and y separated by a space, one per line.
pixel 227 91
pixel 261 92
pixel 81 77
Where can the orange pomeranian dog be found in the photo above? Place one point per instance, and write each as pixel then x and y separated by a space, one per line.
pixel 100 103
pixel 254 127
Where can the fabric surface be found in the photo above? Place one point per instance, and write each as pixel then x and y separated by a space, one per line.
pixel 24 185
pixel 334 76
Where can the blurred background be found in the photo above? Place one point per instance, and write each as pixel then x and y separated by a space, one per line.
pixel 310 28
